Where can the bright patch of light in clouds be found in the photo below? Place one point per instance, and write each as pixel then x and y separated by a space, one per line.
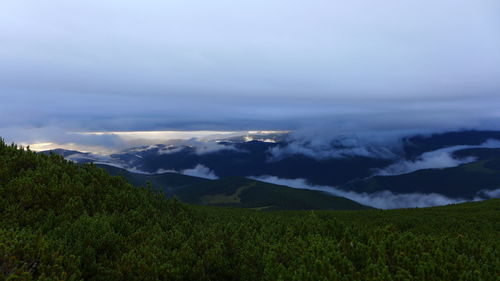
pixel 89 141
pixel 167 135
pixel 44 146
pixel 175 135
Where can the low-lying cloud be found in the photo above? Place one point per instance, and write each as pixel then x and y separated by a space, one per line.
pixel 383 199
pixel 437 159
pixel 334 145
pixel 200 147
pixel 200 171
pixel 485 193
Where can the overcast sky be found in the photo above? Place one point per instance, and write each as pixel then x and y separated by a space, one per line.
pixel 117 65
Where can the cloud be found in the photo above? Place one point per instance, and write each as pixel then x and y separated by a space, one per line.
pixel 170 149
pixel 383 199
pixel 489 193
pixel 200 171
pixel 199 65
pixel 437 159
pixel 329 151
pixel 52 137
pixel 88 157
pixel 126 167
pixel 211 147
pixel 104 142
pixel 200 147
pixel 318 144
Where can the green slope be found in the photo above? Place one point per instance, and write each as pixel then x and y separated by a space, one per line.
pixel 247 193
pixel 237 192
pixel 464 181
pixel 63 221
pixel 166 182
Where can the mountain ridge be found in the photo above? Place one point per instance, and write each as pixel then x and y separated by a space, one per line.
pixel 356 173
pixel 245 193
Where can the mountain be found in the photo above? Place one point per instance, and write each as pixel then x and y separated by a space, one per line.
pixel 239 158
pixel 465 181
pixel 236 192
pixel 166 182
pixel 74 155
pixel 246 159
pixel 416 145
pixel 252 158
pixel 246 193
pixel 478 153
pixel 65 152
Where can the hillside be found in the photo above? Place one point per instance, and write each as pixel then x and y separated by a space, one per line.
pixel 464 181
pixel 166 182
pixel 247 193
pixel 254 158
pixel 236 192
pixel 416 145
pixel 63 221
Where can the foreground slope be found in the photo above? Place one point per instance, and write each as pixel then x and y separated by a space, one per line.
pixel 63 221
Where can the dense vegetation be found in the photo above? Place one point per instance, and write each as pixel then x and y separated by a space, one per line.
pixel 63 221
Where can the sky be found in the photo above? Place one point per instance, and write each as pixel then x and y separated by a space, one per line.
pixel 311 66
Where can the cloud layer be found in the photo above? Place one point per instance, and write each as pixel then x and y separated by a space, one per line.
pixel 332 144
pixel 226 65
pixel 437 159
pixel 383 199
pixel 200 171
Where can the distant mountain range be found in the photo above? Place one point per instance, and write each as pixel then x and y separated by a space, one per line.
pixel 465 181
pixel 455 164
pixel 419 144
